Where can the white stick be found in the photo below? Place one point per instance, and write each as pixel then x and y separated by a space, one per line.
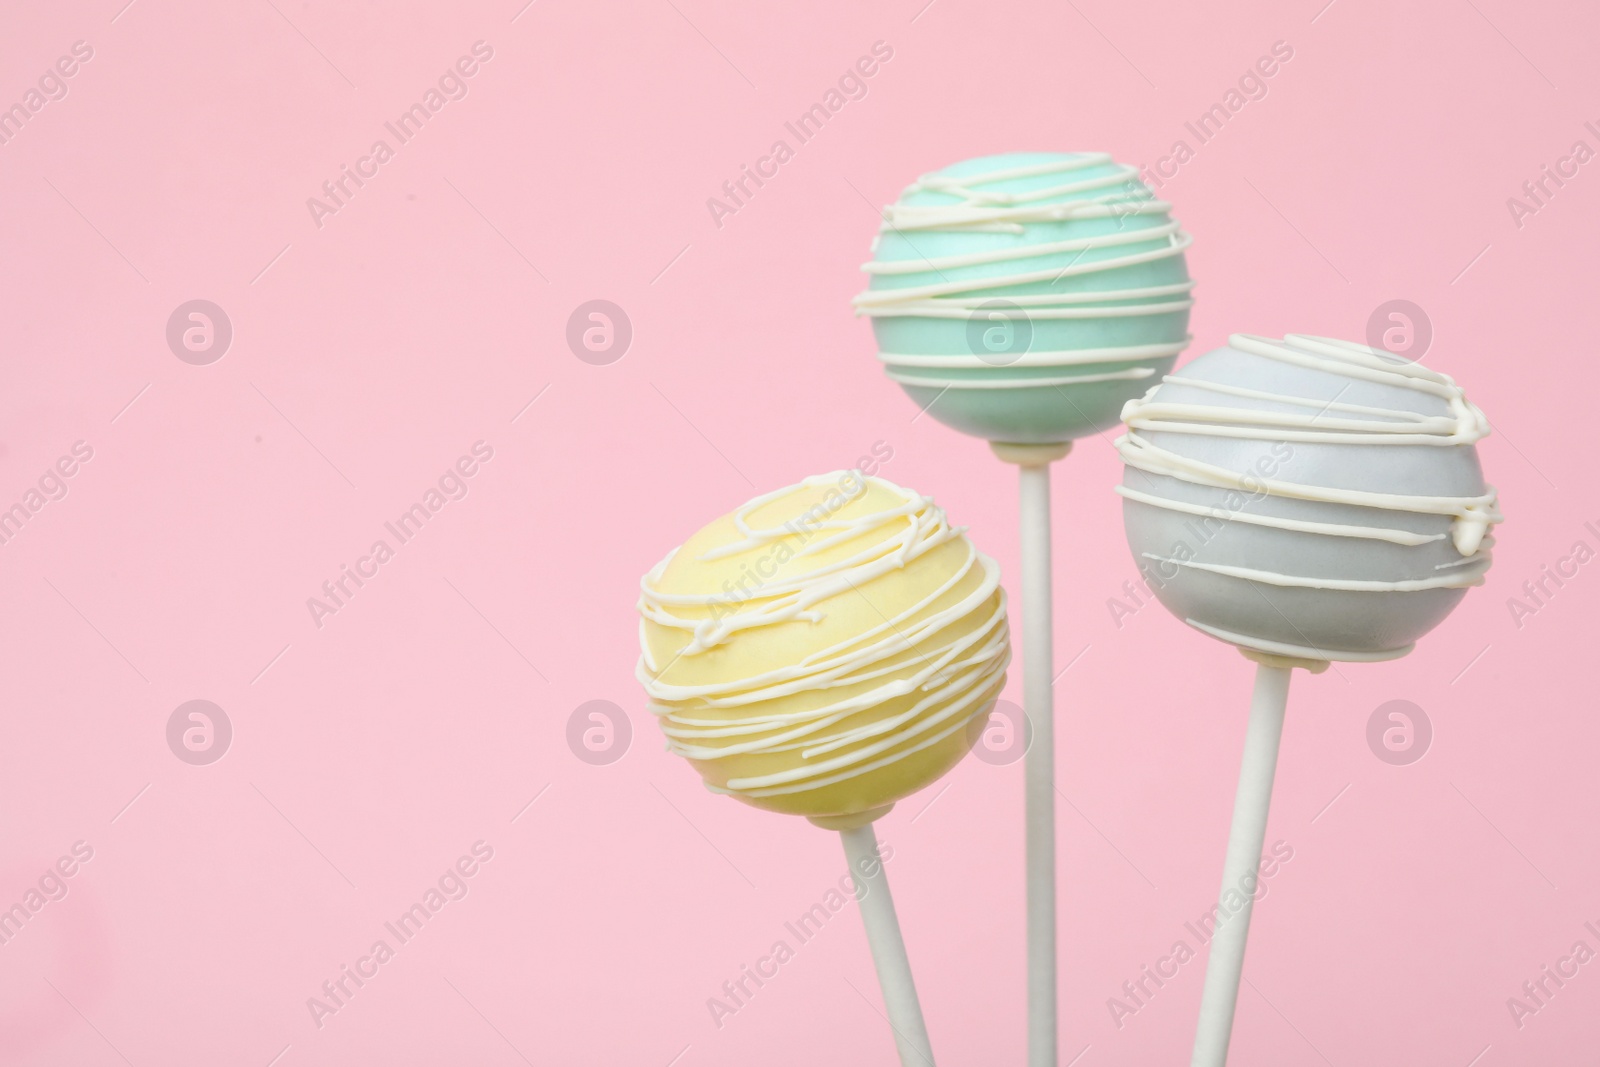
pixel 1240 869
pixel 888 947
pixel 1039 767
pixel 1039 797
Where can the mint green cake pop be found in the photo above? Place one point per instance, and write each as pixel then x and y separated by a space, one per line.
pixel 1024 298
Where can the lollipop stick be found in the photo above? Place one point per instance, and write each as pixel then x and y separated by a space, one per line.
pixel 1039 788
pixel 1039 767
pixel 888 947
pixel 1239 870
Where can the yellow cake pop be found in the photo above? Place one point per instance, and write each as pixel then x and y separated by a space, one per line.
pixel 826 649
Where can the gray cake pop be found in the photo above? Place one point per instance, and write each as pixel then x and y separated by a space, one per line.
pixel 1307 498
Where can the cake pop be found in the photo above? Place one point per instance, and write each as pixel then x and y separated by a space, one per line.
pixel 1023 299
pixel 1307 497
pixel 1306 500
pixel 826 650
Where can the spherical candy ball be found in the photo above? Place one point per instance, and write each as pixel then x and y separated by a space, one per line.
pixel 826 649
pixel 1307 497
pixel 1024 298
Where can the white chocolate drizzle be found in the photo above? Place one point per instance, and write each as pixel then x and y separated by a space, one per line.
pixel 1323 422
pixel 981 209
pixel 911 653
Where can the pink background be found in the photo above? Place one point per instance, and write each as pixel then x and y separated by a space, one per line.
pixel 368 354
